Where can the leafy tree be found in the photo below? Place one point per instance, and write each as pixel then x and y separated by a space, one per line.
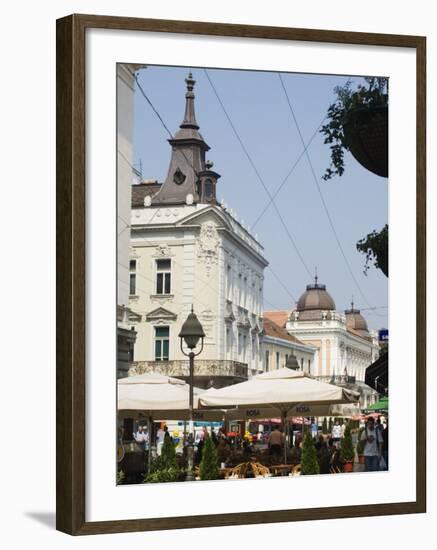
pixel 209 467
pixel 347 451
pixel 330 425
pixel 375 247
pixel 310 464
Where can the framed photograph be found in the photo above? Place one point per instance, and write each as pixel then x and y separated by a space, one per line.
pixel 240 240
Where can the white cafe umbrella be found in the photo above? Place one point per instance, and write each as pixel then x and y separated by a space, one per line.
pixel 159 397
pixel 151 392
pixel 281 389
pixel 253 413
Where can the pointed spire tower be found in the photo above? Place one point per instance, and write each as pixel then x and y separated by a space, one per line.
pixel 190 178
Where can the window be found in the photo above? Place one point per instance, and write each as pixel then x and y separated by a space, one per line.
pixel 277 359
pixel 132 283
pixel 209 189
pixel 163 276
pixel 301 363
pixel 267 361
pixel 244 347
pixel 309 366
pixel 132 277
pixel 162 343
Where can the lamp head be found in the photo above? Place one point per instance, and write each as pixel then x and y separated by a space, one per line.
pixel 191 331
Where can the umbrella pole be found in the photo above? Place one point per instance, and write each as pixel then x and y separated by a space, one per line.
pixel 149 453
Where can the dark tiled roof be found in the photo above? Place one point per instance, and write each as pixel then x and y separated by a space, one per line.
pixel 274 330
pixel 142 190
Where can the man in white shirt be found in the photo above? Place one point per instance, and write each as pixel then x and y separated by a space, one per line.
pixel 373 446
pixel 336 433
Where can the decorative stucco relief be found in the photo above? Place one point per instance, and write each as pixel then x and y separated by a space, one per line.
pixel 208 246
pixel 163 251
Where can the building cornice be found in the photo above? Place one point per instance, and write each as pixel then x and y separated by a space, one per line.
pixel 289 344
pixel 342 332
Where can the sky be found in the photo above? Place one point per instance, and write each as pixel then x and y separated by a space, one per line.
pixel 255 101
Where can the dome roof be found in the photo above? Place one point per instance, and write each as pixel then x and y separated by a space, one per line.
pixel 355 321
pixel 315 297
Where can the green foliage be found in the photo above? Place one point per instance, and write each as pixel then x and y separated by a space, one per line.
pixel 375 93
pixel 164 468
pixel 120 477
pixel 309 462
pixel 360 444
pixel 325 426
pixel 330 425
pixel 347 451
pixel 209 467
pixel 375 247
pixel 168 453
pixel 163 475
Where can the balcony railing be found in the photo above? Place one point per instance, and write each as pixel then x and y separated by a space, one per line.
pixel 202 367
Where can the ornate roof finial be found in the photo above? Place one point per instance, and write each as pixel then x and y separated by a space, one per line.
pixel 352 302
pixel 190 116
pixel 315 277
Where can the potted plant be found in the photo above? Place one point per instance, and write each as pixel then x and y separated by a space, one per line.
pixel 347 451
pixel 310 464
pixel 360 447
pixel 164 468
pixel 358 122
pixel 209 466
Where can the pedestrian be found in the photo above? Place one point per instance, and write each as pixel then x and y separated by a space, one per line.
pixel 343 429
pixel 372 447
pixel 160 439
pixel 141 437
pixel 335 460
pixel 379 426
pixel 336 433
pixel 275 442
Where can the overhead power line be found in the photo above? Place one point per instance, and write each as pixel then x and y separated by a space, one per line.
pixel 325 207
pixel 258 175
pixel 296 162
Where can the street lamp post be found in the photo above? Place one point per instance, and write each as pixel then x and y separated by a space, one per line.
pixel 191 332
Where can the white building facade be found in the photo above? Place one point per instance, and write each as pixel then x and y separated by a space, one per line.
pixel 281 349
pixel 343 345
pixel 187 250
